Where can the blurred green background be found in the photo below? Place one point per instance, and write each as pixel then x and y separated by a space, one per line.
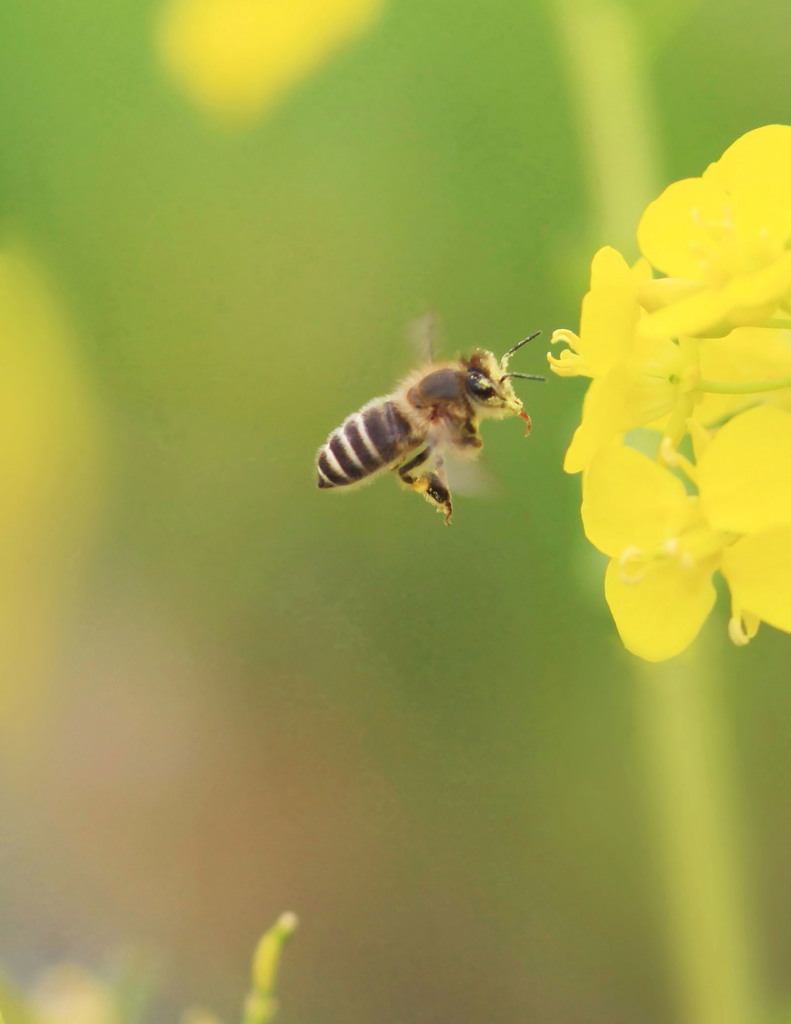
pixel 228 694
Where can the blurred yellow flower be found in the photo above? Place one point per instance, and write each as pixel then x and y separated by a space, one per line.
pixel 665 544
pixel 236 58
pixel 70 995
pixel 723 240
pixel 50 476
pixel 636 378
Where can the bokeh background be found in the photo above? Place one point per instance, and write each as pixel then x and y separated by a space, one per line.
pixel 225 694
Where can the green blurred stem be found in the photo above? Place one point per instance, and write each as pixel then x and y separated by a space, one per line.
pixel 680 705
pixel 750 387
pixel 614 114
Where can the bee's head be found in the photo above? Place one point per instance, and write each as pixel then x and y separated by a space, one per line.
pixel 488 383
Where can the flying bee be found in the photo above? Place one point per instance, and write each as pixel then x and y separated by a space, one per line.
pixel 434 411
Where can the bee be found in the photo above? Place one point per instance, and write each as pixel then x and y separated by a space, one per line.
pixel 434 411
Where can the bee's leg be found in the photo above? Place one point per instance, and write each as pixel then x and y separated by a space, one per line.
pixel 405 469
pixel 433 486
pixel 435 492
pixel 439 489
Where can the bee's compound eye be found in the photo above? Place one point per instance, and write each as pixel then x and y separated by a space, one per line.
pixel 479 386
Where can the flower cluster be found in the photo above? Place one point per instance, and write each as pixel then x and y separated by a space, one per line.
pixel 701 357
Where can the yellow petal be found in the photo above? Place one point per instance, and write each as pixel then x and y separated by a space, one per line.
pixel 603 417
pixel 758 571
pixel 608 267
pixel 763 153
pixel 641 272
pixel 663 613
pixel 743 476
pixel 746 299
pixel 609 312
pixel 756 170
pixel 751 294
pixel 675 229
pixel 238 57
pixel 657 292
pixel 628 501
pixel 694 314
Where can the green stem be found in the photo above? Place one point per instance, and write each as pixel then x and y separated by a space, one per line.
pixel 780 323
pixel 611 92
pixel 753 387
pixel 697 839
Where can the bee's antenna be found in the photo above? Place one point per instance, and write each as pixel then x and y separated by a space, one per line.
pixel 524 376
pixel 518 345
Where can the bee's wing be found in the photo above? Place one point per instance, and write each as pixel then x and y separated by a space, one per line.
pixel 463 474
pixel 422 334
pixel 473 479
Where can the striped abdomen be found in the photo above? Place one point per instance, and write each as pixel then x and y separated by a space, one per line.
pixel 369 440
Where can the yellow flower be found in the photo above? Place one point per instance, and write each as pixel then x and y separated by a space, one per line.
pixel 238 57
pixel 665 544
pixel 51 478
pixel 637 378
pixel 722 239
pixel 69 995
